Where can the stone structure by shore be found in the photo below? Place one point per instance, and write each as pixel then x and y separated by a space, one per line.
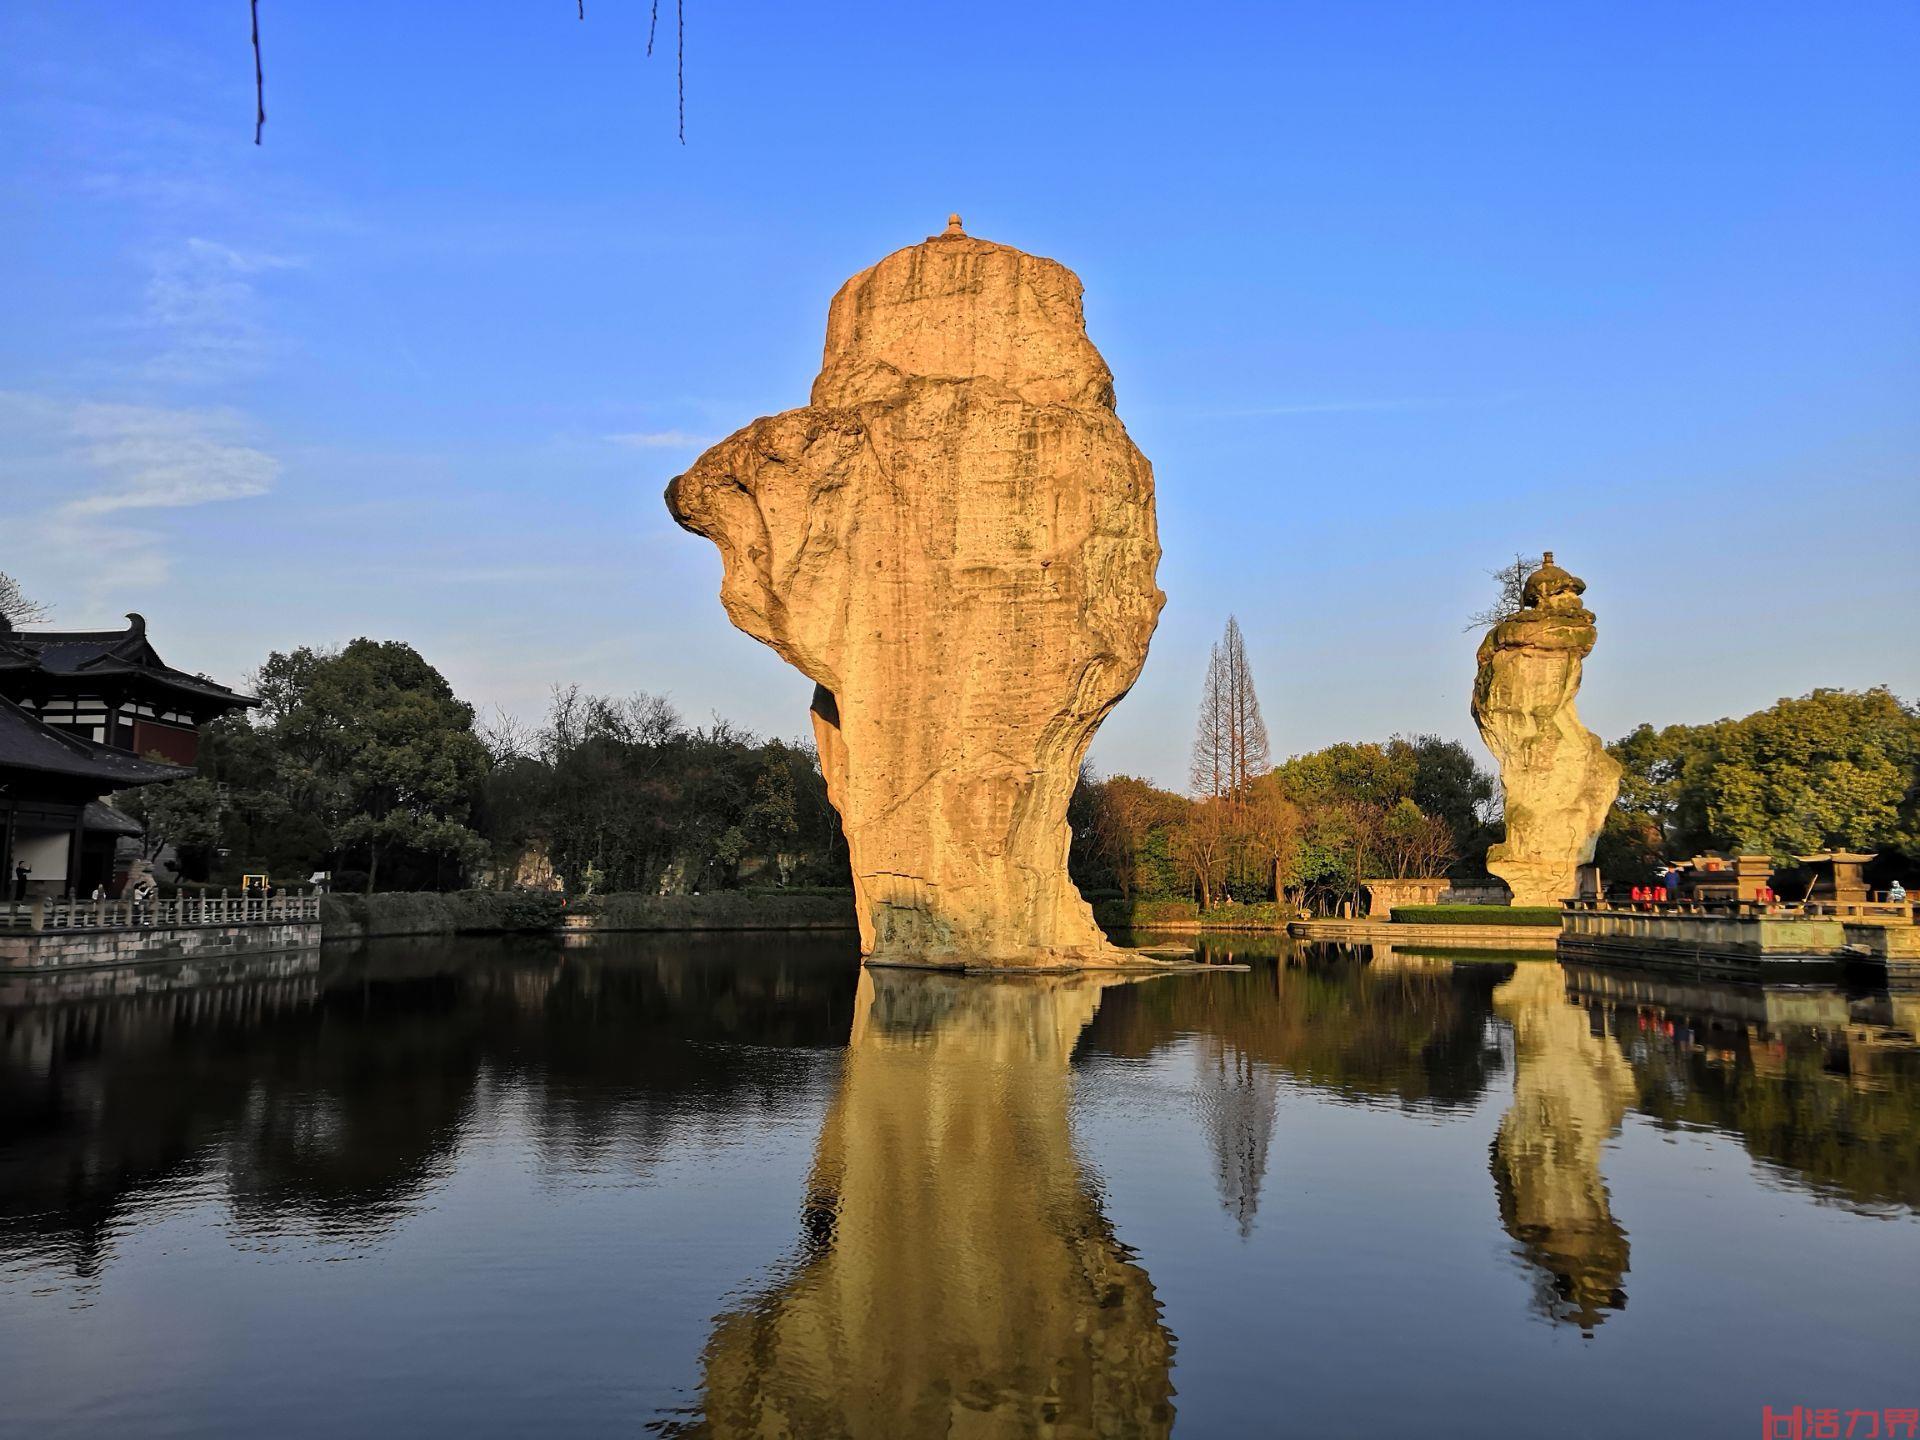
pixel 955 540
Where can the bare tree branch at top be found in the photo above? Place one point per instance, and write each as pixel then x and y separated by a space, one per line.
pixel 653 22
pixel 1511 583
pixel 16 608
pixel 259 77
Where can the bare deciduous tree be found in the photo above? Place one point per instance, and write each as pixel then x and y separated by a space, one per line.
pixel 507 738
pixel 15 607
pixel 1230 740
pixel 1123 814
pixel 1268 831
pixel 1202 845
pixel 1409 842
pixel 1510 582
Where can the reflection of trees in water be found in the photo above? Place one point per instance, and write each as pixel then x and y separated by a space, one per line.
pixel 956 1275
pixel 1239 1099
pixel 1409 1036
pixel 1363 1024
pixel 1821 1087
pixel 330 1101
pixel 1571 1087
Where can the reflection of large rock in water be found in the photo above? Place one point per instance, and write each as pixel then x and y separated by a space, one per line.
pixel 1570 1089
pixel 1557 781
pixel 956 1274
pixel 956 541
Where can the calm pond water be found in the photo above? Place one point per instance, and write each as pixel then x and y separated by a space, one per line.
pixel 732 1185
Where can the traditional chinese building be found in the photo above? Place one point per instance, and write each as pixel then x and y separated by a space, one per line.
pixel 112 687
pixel 83 714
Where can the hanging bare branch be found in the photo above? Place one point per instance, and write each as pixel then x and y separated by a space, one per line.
pixel 580 9
pixel 259 77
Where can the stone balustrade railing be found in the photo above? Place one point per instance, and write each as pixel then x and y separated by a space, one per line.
pixel 176 912
pixel 1894 911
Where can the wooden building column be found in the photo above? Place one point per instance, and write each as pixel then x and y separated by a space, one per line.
pixel 74 847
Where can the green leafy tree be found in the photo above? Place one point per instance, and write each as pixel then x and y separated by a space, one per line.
pixel 625 788
pixel 182 813
pixel 1834 769
pixel 272 818
pixel 1125 837
pixel 1831 770
pixel 1345 773
pixel 1449 785
pixel 377 735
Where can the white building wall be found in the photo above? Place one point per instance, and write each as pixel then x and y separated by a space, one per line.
pixel 46 854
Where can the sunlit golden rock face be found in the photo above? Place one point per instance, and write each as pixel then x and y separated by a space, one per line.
pixel 1556 778
pixel 1570 1090
pixel 956 541
pixel 956 1275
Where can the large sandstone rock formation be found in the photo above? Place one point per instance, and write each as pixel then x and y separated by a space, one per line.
pixel 955 1276
pixel 1556 777
pixel 956 541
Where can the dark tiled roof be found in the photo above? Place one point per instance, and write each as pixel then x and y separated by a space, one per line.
pixel 102 818
pixel 26 744
pixel 14 655
pixel 90 653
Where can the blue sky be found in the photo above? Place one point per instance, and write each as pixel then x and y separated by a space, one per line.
pixel 1391 291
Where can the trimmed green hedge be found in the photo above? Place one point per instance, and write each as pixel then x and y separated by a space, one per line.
pixel 1125 914
pixel 1145 914
pixel 1541 915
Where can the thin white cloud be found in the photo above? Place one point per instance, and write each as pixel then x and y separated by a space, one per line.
pixel 204 305
pixel 92 459
pixel 149 458
pixel 661 440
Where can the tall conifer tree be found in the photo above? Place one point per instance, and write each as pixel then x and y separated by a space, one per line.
pixel 1230 740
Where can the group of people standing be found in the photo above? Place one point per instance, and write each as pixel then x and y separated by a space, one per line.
pixel 1666 892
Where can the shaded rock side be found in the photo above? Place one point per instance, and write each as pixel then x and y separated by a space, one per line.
pixel 956 541
pixel 1556 778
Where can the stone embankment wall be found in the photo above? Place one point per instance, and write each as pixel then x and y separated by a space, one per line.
pixel 81 949
pixel 482 912
pixel 1476 937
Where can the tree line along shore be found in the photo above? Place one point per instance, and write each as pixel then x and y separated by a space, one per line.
pixel 362 762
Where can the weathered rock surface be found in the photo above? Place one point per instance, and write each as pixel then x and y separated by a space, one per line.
pixel 1557 779
pixel 956 541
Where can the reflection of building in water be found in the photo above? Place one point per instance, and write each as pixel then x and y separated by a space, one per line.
pixel 956 1276
pixel 1820 1084
pixel 327 1092
pixel 1238 1100
pixel 1570 1089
